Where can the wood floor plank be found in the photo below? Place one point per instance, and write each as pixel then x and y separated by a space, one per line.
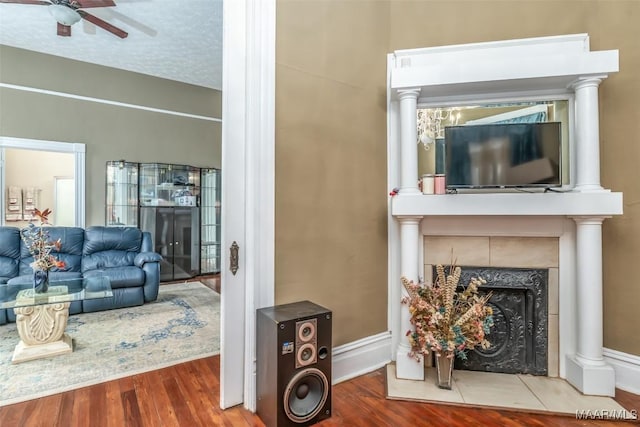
pixel 12 415
pixel 163 404
pixel 66 408
pixel 114 408
pixel 188 395
pixel 199 402
pixel 98 405
pixel 81 408
pixel 180 403
pixel 30 416
pixel 146 405
pixel 131 409
pixel 51 407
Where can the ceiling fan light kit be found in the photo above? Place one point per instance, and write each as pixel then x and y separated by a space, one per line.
pixel 69 12
pixel 64 14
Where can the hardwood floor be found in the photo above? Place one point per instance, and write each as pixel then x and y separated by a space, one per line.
pixel 187 395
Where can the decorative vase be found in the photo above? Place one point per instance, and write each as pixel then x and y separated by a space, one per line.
pixel 444 371
pixel 40 281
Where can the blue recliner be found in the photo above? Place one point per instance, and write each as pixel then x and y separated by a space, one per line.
pixel 124 254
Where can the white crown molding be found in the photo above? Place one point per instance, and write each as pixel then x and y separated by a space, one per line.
pixel 108 102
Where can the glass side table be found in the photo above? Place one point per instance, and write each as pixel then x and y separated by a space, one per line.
pixel 41 318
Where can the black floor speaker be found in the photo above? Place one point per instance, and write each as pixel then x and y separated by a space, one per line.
pixel 293 364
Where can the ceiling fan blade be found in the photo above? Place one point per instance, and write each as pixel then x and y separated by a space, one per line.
pixel 132 22
pixel 44 3
pixel 85 4
pixel 103 24
pixel 64 30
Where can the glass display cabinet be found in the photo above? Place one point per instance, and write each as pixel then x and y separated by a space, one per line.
pixel 210 221
pixel 178 205
pixel 122 194
pixel 169 185
pixel 169 210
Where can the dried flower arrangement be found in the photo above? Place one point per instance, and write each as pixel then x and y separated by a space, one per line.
pixel 447 321
pixel 39 245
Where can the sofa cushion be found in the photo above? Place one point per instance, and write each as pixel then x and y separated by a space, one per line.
pixel 120 277
pixel 108 247
pixel 122 297
pixel 98 239
pixel 71 239
pixel 9 252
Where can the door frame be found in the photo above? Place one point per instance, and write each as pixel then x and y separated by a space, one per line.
pixel 77 149
pixel 248 189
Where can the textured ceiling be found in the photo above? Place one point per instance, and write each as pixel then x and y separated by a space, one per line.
pixel 174 39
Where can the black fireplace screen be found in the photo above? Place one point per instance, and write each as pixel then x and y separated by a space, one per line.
pixel 519 338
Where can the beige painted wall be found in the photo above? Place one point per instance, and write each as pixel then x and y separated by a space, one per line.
pixel 31 168
pixel 110 132
pixel 331 201
pixel 330 140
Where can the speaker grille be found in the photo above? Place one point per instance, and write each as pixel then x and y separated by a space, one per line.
pixel 306 342
pixel 305 395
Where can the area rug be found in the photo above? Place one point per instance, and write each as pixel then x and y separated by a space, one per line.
pixel 182 324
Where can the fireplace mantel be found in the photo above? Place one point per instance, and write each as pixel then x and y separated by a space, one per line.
pixel 560 67
pixel 602 203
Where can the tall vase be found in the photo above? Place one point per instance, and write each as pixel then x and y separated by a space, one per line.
pixel 40 281
pixel 444 370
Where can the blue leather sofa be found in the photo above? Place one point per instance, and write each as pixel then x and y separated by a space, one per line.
pixel 124 254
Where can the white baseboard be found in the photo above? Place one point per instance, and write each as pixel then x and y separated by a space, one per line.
pixel 361 357
pixel 627 367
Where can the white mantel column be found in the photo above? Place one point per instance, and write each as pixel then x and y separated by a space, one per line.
pixel 407 367
pixel 587 369
pixel 408 140
pixel 587 130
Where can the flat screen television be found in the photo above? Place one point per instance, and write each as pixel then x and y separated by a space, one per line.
pixel 503 155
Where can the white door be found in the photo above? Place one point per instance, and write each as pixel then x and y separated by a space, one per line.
pixel 65 207
pixel 247 204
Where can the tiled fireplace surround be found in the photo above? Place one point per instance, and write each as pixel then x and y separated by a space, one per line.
pixel 506 252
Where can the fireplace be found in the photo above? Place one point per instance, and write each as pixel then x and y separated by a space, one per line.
pixel 520 334
pixel 523 274
pixel 521 70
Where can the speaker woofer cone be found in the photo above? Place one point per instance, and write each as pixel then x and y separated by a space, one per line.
pixel 305 395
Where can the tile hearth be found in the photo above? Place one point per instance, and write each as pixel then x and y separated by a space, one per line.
pixel 505 391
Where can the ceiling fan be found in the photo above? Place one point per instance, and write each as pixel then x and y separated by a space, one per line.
pixel 68 12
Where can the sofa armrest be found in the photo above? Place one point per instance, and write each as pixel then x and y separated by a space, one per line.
pixel 3 296
pixel 151 268
pixel 144 257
